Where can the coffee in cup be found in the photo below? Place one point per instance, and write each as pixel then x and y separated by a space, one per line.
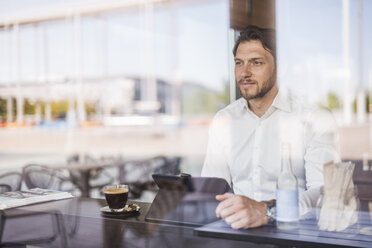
pixel 116 196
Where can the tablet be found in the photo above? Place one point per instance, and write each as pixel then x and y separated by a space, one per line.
pixel 182 182
pixel 186 200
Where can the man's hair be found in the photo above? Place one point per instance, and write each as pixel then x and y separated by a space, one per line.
pixel 265 35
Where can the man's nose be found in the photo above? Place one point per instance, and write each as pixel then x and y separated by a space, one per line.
pixel 247 70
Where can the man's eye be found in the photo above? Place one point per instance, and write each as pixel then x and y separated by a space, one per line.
pixel 257 62
pixel 238 62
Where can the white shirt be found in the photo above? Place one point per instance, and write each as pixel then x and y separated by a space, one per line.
pixel 244 149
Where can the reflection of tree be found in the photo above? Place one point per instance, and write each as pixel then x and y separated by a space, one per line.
pixel 90 108
pixel 197 99
pixel 59 108
pixel 332 101
pixel 29 108
pixel 2 109
pixel 367 103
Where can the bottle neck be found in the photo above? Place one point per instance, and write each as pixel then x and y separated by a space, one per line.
pixel 286 179
pixel 286 159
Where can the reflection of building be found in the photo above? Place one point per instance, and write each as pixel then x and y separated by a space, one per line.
pixel 142 36
pixel 149 39
pixel 109 93
pixel 164 97
pixel 108 96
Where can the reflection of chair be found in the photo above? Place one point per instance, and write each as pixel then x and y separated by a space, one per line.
pixel 363 180
pixel 10 181
pixel 56 230
pixel 98 177
pixel 5 188
pixel 40 176
pixel 138 175
pixel 171 166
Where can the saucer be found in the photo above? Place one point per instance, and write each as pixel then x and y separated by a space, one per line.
pixel 129 210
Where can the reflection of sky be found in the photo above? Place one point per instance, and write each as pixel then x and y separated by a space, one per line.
pixel 188 43
pixel 192 44
pixel 310 44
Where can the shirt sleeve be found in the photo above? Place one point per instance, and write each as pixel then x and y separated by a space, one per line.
pixel 320 148
pixel 215 164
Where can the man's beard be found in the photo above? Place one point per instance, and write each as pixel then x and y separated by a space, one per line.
pixel 266 87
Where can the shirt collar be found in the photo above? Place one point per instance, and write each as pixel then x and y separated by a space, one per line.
pixel 282 101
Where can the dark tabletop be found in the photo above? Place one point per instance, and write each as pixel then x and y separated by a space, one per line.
pixel 78 223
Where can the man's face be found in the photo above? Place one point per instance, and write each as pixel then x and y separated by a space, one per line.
pixel 254 70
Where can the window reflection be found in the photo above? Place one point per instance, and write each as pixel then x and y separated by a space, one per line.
pixel 131 81
pixel 145 80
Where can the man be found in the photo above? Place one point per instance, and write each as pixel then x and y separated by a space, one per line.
pixel 245 137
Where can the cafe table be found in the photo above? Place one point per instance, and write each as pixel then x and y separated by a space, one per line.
pixel 78 222
pixel 83 171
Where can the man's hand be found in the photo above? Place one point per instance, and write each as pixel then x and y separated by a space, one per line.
pixel 241 211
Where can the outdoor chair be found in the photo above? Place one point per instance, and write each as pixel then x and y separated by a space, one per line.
pixel 363 179
pixel 98 178
pixel 10 181
pixel 138 174
pixel 171 166
pixel 56 229
pixel 41 176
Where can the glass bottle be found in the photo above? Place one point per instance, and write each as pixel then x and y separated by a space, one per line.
pixel 287 208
